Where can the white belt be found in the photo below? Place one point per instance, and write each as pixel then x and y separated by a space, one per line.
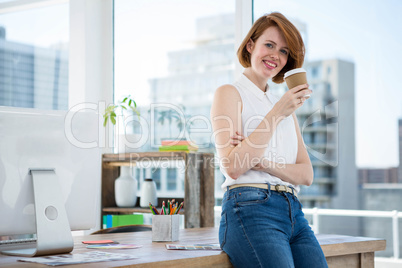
pixel 278 188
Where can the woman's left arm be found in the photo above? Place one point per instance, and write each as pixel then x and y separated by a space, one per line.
pixel 300 173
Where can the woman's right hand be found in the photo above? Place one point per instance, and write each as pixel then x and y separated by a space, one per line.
pixel 292 100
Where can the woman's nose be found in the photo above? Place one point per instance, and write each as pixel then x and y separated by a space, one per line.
pixel 274 56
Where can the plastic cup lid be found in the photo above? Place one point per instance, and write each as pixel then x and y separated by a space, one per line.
pixel 294 71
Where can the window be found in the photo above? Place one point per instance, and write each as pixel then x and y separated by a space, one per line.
pixel 34 57
pixel 171 179
pixel 175 53
pixel 140 175
pixel 156 176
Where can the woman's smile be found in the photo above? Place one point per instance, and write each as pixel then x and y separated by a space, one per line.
pixel 269 64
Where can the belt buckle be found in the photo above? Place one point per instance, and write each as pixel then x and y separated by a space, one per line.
pixel 277 187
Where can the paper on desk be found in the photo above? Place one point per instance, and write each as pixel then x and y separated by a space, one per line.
pixel 194 247
pixel 114 246
pixel 93 256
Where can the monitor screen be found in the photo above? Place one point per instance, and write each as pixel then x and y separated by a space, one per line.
pixel 64 141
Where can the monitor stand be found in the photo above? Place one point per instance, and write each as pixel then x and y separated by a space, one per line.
pixel 53 234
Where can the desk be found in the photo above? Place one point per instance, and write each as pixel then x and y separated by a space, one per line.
pixel 340 251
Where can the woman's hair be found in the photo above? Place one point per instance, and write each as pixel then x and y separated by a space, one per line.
pixel 291 34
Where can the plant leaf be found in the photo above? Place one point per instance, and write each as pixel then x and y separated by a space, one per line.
pixel 113 119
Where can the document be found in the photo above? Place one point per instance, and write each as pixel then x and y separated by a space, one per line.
pixel 93 256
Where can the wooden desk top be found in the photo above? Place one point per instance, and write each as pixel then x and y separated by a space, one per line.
pixel 155 254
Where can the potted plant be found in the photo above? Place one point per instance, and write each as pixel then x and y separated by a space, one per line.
pixel 116 114
pixel 126 104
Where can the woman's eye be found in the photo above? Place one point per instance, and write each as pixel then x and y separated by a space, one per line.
pixel 269 45
pixel 284 52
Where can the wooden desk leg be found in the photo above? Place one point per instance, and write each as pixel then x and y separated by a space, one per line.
pixel 367 260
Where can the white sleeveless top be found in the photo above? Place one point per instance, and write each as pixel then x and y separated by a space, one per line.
pixel 282 147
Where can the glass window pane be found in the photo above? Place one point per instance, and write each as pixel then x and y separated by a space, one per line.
pixel 156 176
pixel 171 179
pixel 34 58
pixel 175 54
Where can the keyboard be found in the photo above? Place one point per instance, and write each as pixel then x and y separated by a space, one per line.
pixel 17 243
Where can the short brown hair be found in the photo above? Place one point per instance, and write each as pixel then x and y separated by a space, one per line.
pixel 292 37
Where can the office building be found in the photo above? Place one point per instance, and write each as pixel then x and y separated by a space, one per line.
pixel 378 175
pixel 32 77
pixel 194 75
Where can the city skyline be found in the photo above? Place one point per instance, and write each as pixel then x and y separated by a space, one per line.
pixel 378 101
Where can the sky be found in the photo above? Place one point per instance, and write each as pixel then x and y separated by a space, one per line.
pixel 366 32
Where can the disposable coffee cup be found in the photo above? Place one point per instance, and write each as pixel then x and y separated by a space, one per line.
pixel 295 78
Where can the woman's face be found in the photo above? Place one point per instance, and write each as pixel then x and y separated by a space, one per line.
pixel 269 53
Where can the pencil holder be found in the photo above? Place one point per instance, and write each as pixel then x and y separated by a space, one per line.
pixel 165 228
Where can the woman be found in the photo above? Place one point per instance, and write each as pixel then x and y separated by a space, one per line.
pixel 262 154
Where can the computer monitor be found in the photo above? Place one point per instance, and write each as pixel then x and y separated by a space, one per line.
pixel 59 151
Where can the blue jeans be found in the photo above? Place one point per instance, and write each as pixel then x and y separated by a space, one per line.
pixel 264 228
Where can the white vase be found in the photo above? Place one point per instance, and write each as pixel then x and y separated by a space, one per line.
pixel 148 193
pixel 129 143
pixel 128 136
pixel 125 188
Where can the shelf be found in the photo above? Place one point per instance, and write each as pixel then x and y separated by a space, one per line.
pixel 199 182
pixel 132 210
pixel 119 159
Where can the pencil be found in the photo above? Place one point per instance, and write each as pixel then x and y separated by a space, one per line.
pixel 150 206
pixel 174 211
pixel 156 211
pixel 181 205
